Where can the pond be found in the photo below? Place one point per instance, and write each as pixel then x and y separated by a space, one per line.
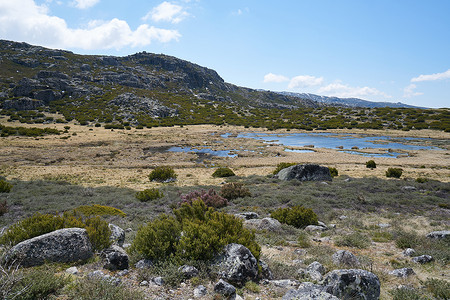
pixel 220 153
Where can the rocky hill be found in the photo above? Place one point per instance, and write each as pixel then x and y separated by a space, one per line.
pixel 134 88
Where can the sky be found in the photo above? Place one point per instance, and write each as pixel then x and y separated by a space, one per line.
pixel 384 50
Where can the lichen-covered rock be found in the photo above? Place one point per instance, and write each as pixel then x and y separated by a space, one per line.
pixel 403 272
pixel 224 288
pixel 63 245
pixel 315 228
pixel 144 264
pixel 269 224
pixel 188 271
pixel 200 291
pixel 266 273
pixel 247 215
pixel 352 284
pixel 422 259
pixel 315 271
pixel 345 258
pixel 237 264
pixel 117 235
pixel 115 258
pixel 309 291
pixel 409 252
pixel 439 235
pixel 305 173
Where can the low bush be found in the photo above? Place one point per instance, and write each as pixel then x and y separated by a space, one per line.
pixel 405 239
pixel 234 190
pixel 162 174
pixel 421 180
pixel 333 172
pixel 210 198
pixel 149 195
pixel 297 216
pixel 3 208
pixel 39 224
pixel 282 166
pixel 371 164
pixel 440 289
pixel 205 233
pixel 405 293
pixel 99 210
pixel 394 172
pixel 5 187
pixel 355 240
pixel 223 172
pixel 98 288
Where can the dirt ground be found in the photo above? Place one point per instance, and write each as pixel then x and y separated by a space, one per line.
pixel 95 156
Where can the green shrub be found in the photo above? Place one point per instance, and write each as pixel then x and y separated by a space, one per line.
pixel 234 190
pixel 405 240
pixel 371 164
pixel 162 174
pixel 282 166
pixel 39 224
pixel 394 172
pixel 421 180
pixel 97 288
pixel 356 240
pixel 223 172
pixel 205 233
pixel 440 289
pixel 297 216
pixel 252 287
pixel 5 187
pixel 210 197
pixel 99 210
pixel 333 172
pixel 149 195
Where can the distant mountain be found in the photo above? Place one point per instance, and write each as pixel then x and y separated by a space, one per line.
pixel 348 102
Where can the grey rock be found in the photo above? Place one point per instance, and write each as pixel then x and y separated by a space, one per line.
pixel 188 271
pixel 123 273
pixel 297 261
pixel 352 284
pixel 409 188
pixel 96 274
pixel 333 226
pixel 266 273
pixel 117 235
pixel 263 224
pixel 315 271
pixel 85 67
pixel 237 264
pixel 300 252
pixel 247 215
pixel 200 291
pixel 309 291
pixel 422 259
pixel 343 217
pixel 384 225
pixel 320 223
pixel 403 272
pixel 115 258
pixel 72 270
pixel 224 288
pixel 64 245
pixel 24 103
pixel 345 258
pixel 305 173
pixel 159 281
pixel 144 264
pixel 439 235
pixel 315 228
pixel 143 283
pixel 285 283
pixel 409 252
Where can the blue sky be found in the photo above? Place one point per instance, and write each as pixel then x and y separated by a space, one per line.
pixel 375 50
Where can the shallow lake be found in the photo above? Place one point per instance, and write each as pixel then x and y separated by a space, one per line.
pixel 220 153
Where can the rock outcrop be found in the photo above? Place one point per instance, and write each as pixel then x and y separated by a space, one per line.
pixel 352 284
pixel 237 264
pixel 305 173
pixel 63 245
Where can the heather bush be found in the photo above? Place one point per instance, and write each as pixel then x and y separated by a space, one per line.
pixel 297 216
pixel 333 172
pixel 5 187
pixel 371 164
pixel 394 172
pixel 282 166
pixel 162 174
pixel 197 232
pixel 223 172
pixel 210 198
pixel 234 190
pixel 149 195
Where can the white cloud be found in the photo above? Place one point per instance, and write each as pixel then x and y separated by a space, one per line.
pixel 339 89
pixel 409 91
pixel 270 77
pixel 432 77
pixel 168 12
pixel 304 81
pixel 24 20
pixel 83 4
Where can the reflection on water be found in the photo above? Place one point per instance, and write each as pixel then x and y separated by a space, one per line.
pixel 385 154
